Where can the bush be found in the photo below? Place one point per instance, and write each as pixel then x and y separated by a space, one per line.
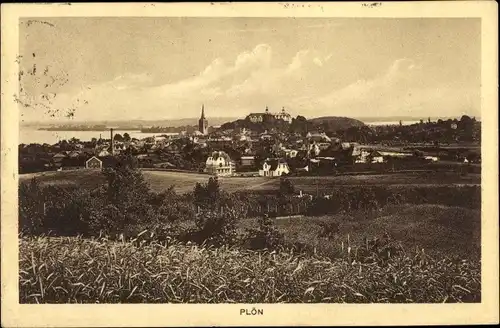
pixel 286 187
pixel 329 229
pixel 217 227
pixel 31 208
pixel 267 236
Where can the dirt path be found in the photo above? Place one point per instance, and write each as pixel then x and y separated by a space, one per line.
pixel 256 186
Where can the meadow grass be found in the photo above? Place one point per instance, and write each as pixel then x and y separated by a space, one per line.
pixel 185 182
pixel 78 270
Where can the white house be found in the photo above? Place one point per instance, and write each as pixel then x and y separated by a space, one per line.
pixel 266 136
pixel 291 153
pixel 220 164
pixel 361 155
pixel 274 168
pixel 93 163
pixel 314 149
pixel 318 137
pixel 377 158
pixel 345 145
pixel 103 153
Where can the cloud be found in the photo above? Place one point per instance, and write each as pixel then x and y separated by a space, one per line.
pixel 259 57
pixel 310 84
pixel 400 90
pixel 130 80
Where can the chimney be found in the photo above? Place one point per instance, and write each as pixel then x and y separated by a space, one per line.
pixel 112 143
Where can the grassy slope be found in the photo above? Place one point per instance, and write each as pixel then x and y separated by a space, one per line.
pixel 441 230
pixel 185 182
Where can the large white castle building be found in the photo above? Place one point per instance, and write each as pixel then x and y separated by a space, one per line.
pixel 261 117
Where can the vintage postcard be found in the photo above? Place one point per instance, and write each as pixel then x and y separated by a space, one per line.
pixel 218 164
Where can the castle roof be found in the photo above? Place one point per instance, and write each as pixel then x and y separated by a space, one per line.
pixel 259 114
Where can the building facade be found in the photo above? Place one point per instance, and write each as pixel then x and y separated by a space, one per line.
pixel 247 161
pixel 274 168
pixel 283 115
pixel 262 117
pixel 220 164
pixel 93 163
pixel 203 122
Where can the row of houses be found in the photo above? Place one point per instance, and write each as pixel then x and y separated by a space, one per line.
pixel 219 163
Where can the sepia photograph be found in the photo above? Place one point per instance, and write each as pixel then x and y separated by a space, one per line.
pixel 220 159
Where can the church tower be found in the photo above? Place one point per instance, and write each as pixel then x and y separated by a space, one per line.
pixel 202 122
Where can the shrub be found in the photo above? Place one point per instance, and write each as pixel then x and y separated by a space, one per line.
pixel 286 187
pixel 267 236
pixel 31 208
pixel 217 227
pixel 329 229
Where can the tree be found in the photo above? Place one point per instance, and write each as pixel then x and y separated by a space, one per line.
pixel 286 187
pixel 217 213
pixel 465 119
pixel 127 197
pixel 207 196
pixel 299 125
pixel 118 137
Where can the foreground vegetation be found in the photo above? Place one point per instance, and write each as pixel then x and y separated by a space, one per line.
pixel 66 270
pixel 124 242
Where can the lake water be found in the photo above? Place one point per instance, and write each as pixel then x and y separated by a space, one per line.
pixel 32 135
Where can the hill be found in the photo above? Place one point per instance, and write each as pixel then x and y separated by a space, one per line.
pixel 336 122
pixel 299 124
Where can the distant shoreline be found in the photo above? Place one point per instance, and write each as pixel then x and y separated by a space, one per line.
pixel 215 121
pixel 88 130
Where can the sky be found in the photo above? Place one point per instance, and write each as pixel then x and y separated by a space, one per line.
pixel 167 67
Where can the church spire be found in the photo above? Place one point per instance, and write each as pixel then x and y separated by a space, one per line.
pixel 202 122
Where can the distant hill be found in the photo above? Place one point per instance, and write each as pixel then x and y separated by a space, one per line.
pixel 372 119
pixel 336 122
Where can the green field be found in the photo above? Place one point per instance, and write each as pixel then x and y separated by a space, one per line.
pixel 185 182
